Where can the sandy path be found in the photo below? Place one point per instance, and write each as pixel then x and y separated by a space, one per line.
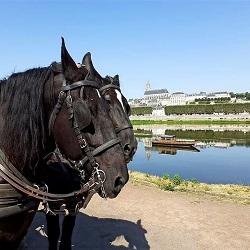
pixel 148 218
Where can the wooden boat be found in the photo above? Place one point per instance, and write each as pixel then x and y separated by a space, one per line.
pixel 172 150
pixel 171 141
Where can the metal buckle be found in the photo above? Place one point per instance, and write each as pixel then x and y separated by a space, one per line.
pixel 82 174
pixel 61 94
pixel 69 98
pixel 98 173
pixel 83 143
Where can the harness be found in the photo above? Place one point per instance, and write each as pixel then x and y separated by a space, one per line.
pixel 98 176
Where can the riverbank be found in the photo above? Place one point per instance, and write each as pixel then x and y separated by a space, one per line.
pixel 226 192
pixel 190 122
pixel 145 217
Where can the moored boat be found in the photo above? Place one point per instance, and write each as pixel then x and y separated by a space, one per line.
pixel 170 140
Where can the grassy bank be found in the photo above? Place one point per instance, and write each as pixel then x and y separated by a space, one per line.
pixel 231 192
pixel 191 122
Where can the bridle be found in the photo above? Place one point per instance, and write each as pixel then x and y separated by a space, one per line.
pixel 98 176
pixel 98 150
pixel 113 86
pixel 89 155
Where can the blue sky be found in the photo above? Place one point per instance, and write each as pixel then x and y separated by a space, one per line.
pixel 188 46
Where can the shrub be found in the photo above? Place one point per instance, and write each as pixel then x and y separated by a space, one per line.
pixel 141 111
pixel 167 186
pixel 177 180
pixel 165 177
pixel 226 108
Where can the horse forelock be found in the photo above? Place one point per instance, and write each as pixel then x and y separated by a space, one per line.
pixel 23 136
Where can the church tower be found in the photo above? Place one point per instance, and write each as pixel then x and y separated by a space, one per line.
pixel 148 87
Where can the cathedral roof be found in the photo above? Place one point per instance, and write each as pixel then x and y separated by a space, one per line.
pixel 155 91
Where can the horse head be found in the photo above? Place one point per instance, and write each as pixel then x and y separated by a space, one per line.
pixel 82 127
pixel 119 109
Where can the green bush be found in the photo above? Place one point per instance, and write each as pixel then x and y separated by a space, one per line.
pixel 165 177
pixel 167 186
pixel 177 180
pixel 141 111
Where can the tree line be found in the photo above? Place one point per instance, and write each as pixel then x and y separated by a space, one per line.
pixel 225 108
pixel 245 95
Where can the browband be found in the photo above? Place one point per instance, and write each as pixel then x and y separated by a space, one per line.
pixel 109 86
pixel 78 84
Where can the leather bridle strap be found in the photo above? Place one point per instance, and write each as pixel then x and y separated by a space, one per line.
pixel 41 195
pixel 97 151
pixel 108 86
pixel 79 84
pixel 118 130
pixel 102 91
pixel 61 98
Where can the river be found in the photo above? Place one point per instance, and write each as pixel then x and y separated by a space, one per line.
pixel 223 157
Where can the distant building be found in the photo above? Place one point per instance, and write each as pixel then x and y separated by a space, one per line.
pixel 193 97
pixel 154 97
pixel 177 98
pixel 161 97
pixel 216 95
pixel 158 111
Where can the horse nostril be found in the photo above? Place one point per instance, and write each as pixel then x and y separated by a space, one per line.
pixel 127 149
pixel 119 182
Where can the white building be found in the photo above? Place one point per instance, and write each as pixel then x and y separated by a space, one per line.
pixel 161 97
pixel 158 111
pixel 193 97
pixel 177 98
pixel 217 95
pixel 154 97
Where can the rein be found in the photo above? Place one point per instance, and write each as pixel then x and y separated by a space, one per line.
pixel 98 177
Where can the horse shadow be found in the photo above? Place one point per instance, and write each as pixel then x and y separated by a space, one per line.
pixel 91 232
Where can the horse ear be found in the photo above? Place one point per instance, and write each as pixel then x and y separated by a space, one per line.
pixel 116 80
pixel 87 62
pixel 69 67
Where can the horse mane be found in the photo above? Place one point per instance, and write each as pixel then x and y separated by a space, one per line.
pixel 23 136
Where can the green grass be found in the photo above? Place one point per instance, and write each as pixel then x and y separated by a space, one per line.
pixel 191 122
pixel 228 192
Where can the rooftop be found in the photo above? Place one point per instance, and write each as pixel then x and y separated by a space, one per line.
pixel 155 91
pixel 178 93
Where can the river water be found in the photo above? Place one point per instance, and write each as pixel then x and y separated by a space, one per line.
pixel 223 157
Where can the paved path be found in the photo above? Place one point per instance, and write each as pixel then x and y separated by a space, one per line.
pixel 148 218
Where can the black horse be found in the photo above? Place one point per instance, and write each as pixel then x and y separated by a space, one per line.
pixel 38 113
pixel 119 112
pixel 119 109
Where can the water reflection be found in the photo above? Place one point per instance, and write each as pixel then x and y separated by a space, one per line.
pixel 204 137
pixel 224 154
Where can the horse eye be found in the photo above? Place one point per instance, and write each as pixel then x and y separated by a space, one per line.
pixel 107 98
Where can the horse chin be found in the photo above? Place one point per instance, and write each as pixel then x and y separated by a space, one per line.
pixel 128 159
pixel 110 195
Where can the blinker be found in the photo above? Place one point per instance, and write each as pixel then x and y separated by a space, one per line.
pixel 81 113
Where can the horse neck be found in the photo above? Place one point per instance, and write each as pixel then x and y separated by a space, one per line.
pixel 24 134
